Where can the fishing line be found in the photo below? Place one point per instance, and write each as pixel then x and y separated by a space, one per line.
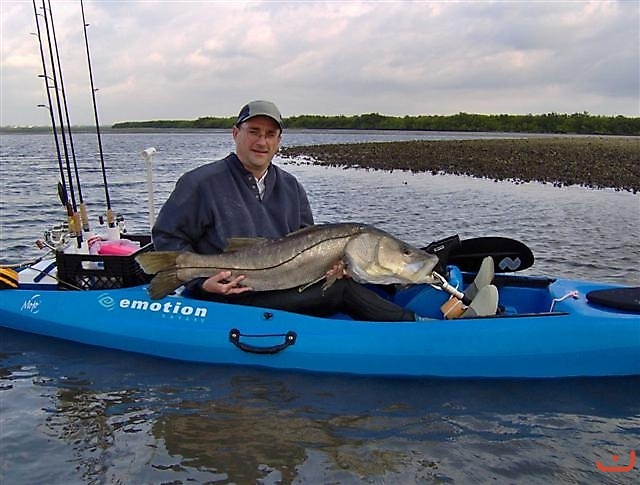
pixel 74 228
pixel 83 209
pixel 62 186
pixel 110 215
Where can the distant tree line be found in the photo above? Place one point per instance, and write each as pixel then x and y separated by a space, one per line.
pixel 205 122
pixel 577 123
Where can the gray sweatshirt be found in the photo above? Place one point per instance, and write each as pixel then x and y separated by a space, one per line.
pixel 220 200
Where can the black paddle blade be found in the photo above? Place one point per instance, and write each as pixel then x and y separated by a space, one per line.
pixel 508 254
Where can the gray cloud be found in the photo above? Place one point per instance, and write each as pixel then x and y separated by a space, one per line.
pixel 182 60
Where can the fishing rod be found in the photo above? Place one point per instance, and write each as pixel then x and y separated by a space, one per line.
pixel 74 226
pixel 62 185
pixel 110 216
pixel 83 208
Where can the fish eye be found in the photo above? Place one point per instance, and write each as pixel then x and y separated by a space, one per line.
pixel 407 251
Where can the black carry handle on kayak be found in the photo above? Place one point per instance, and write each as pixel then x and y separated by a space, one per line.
pixel 235 334
pixel 508 254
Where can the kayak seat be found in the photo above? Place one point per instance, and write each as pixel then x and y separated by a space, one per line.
pixel 618 298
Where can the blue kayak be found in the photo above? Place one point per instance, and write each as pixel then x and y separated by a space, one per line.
pixel 546 328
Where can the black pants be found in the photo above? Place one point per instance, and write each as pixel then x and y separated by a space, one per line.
pixel 344 296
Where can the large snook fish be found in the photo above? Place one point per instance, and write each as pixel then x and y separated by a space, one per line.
pixel 301 258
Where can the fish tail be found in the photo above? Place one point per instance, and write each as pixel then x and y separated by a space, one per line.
pixel 157 261
pixel 163 284
pixel 163 265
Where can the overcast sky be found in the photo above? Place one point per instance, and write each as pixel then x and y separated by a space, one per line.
pixel 183 60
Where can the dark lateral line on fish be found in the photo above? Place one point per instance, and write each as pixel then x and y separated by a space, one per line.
pixel 236 268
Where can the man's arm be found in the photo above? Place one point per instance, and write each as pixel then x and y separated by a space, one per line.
pixel 176 228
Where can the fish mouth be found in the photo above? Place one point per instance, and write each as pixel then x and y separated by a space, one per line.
pixel 421 271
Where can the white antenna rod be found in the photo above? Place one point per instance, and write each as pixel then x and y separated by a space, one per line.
pixel 148 158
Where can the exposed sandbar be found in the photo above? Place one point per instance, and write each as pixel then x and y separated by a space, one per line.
pixel 590 161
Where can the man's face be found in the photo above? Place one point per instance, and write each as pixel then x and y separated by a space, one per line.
pixel 257 141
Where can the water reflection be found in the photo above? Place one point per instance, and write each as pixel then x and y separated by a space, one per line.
pixel 109 417
pixel 242 442
pixel 403 432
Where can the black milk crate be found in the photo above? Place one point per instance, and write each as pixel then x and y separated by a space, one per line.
pixel 103 272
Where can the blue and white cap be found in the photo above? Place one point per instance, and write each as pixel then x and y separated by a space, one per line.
pixel 260 108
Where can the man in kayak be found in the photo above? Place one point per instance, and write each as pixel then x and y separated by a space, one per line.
pixel 246 195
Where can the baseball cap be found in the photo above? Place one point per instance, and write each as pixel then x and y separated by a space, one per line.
pixel 260 108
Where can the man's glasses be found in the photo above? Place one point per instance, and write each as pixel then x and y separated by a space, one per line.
pixel 257 133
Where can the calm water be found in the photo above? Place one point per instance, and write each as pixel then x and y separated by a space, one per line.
pixel 78 414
